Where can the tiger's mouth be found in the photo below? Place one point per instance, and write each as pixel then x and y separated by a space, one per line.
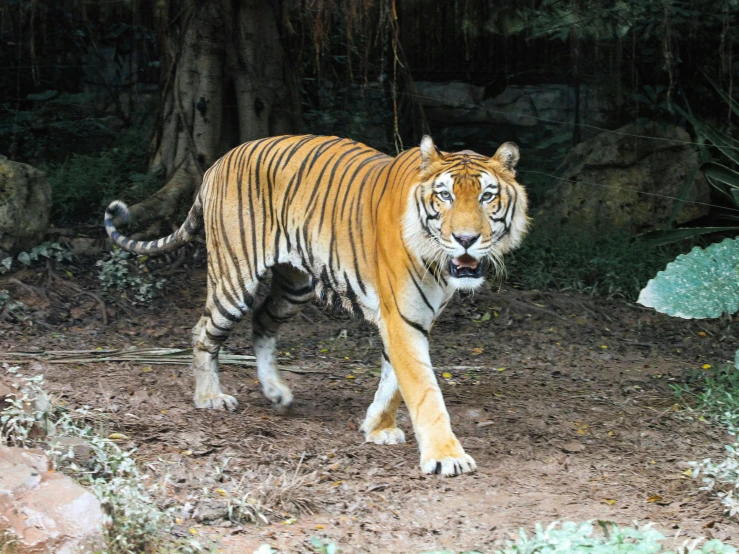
pixel 465 267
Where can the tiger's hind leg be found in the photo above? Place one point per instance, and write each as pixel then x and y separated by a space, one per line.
pixel 379 425
pixel 289 291
pixel 222 312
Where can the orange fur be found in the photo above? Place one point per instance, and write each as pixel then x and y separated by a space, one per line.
pixel 390 239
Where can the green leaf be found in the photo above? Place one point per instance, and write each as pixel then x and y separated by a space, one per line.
pixel 46 95
pixel 7 262
pixel 701 284
pixel 24 258
pixel 668 236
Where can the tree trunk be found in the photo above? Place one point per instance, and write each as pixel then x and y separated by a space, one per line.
pixel 227 82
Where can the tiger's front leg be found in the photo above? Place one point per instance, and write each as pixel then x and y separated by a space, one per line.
pixel 406 343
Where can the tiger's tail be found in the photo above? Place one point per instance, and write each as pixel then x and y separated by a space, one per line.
pixel 176 240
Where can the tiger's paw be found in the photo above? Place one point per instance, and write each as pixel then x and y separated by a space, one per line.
pixel 391 435
pixel 216 402
pixel 278 393
pixel 449 466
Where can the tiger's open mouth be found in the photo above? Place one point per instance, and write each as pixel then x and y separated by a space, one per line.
pixel 465 267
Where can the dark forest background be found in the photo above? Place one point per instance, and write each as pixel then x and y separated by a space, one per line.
pixel 134 99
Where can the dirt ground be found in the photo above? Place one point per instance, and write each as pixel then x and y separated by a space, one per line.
pixel 563 400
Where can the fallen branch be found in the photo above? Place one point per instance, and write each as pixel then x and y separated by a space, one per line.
pixel 151 356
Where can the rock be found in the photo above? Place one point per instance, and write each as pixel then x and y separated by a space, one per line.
pixel 517 105
pixel 88 247
pixel 454 93
pixel 43 512
pixel 572 447
pixel 80 449
pixel 209 511
pixel 25 205
pixel 615 180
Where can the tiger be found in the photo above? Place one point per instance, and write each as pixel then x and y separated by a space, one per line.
pixel 390 239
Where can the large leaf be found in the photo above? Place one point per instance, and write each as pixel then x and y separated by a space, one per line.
pixel 701 284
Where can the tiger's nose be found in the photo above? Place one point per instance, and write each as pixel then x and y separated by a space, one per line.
pixel 466 240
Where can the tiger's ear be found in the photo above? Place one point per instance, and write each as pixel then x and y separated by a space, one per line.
pixel 507 155
pixel 429 152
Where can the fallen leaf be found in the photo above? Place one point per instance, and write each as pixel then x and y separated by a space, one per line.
pixel 573 447
pixel 609 501
pixel 446 375
pixel 486 423
pixel 477 351
pixel 688 472
pixel 706 366
pixel 655 498
pixel 194 532
pixel 485 317
pixel 350 377
pixel 702 334
pixel 118 437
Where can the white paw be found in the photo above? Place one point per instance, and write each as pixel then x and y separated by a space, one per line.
pixel 216 402
pixel 279 393
pixel 391 435
pixel 449 465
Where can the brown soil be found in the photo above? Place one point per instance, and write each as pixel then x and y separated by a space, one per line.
pixel 563 400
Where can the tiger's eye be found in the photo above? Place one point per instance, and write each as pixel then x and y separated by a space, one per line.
pixel 487 197
pixel 444 195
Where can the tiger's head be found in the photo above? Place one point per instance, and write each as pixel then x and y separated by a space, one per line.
pixel 466 210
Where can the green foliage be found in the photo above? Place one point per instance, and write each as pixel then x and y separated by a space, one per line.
pixel 49 123
pixel 128 274
pixel 83 185
pixel 698 285
pixel 133 522
pixel 323 547
pixel 720 166
pixel 714 394
pixel 612 265
pixel 573 538
pixel 11 309
pixel 49 250
pixel 360 112
pixel 722 478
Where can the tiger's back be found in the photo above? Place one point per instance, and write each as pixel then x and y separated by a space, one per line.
pixel 305 201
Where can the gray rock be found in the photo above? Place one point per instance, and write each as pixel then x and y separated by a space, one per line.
pixel 454 93
pixel 25 205
pixel 616 180
pixel 547 105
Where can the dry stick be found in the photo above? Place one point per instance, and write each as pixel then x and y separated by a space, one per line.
pixel 28 288
pixel 154 356
pixel 101 304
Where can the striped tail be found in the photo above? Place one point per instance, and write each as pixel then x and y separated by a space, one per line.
pixel 176 240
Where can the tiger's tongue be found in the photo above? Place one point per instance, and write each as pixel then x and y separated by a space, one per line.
pixel 465 260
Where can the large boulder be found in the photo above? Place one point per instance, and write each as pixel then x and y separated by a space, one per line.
pixel 622 180
pixel 42 512
pixel 459 113
pixel 25 205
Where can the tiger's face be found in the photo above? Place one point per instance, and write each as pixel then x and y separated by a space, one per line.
pixel 467 211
